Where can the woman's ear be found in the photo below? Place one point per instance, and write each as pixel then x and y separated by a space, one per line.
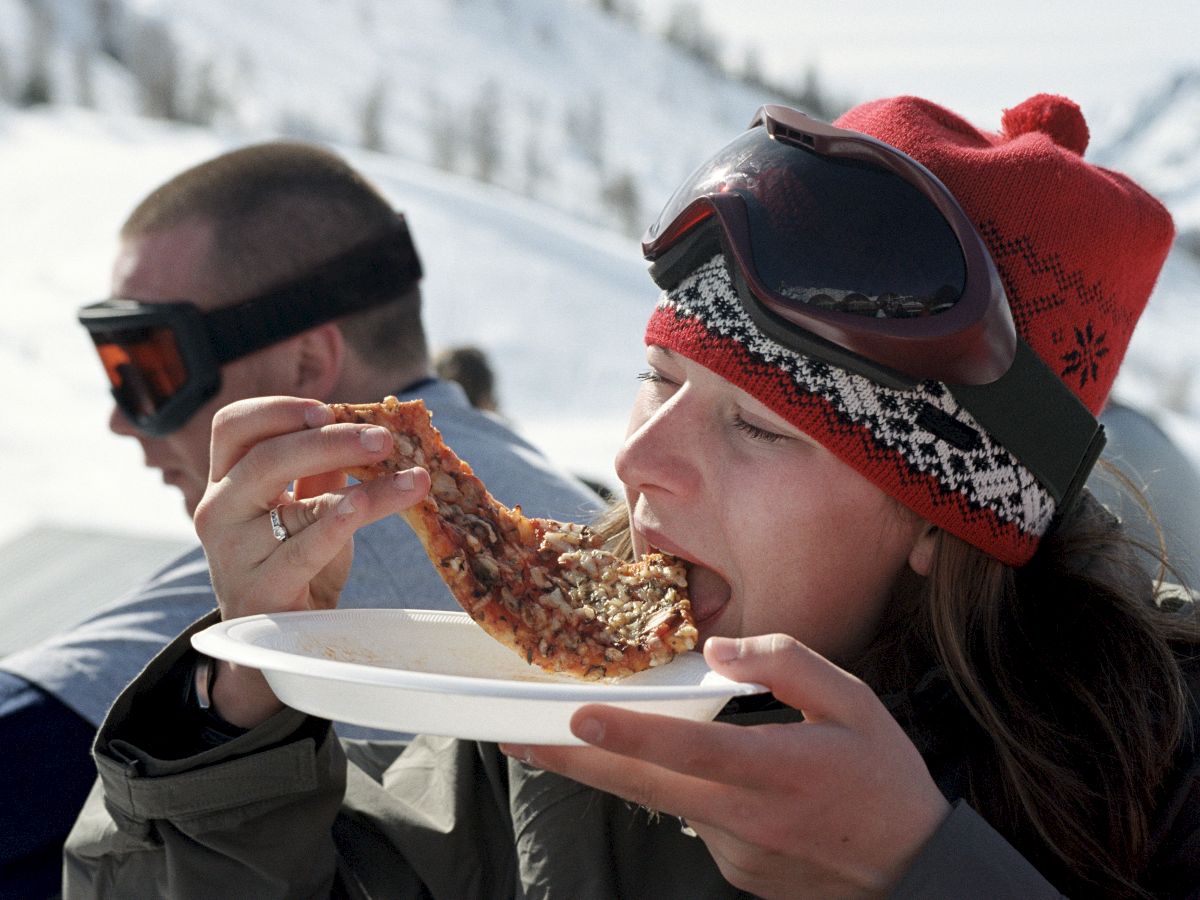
pixel 322 356
pixel 920 557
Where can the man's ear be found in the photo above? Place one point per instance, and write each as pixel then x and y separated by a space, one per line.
pixel 920 557
pixel 322 356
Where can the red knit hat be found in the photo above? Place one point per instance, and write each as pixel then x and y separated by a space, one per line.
pixel 1078 248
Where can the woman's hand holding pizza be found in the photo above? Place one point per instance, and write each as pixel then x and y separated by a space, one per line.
pixel 839 803
pixel 259 446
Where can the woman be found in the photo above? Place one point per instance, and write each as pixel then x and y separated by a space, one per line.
pixel 874 475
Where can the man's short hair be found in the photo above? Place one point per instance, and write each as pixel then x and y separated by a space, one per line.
pixel 277 210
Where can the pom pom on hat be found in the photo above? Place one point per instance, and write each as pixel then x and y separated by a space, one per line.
pixel 1052 115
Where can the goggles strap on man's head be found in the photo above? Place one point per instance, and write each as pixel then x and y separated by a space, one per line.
pixel 367 275
pixel 164 358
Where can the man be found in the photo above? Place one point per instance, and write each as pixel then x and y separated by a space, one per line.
pixel 274 269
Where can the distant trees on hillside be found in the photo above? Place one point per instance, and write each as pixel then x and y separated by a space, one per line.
pixel 686 31
pixel 152 59
pixel 624 10
pixel 621 196
pixel 1189 240
pixel 443 141
pixel 373 116
pixel 533 142
pixel 483 135
pixel 37 85
pixel 586 124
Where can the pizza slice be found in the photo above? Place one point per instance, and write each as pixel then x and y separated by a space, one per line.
pixel 546 589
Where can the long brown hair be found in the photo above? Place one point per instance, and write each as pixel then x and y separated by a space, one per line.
pixel 1070 669
pixel 1070 673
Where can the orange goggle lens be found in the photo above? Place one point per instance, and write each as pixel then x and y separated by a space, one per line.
pixel 145 368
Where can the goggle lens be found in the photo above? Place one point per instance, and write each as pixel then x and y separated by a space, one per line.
pixel 915 265
pixel 145 368
pixel 845 248
pixel 824 232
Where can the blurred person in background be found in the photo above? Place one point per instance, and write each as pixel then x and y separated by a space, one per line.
pixel 866 424
pixel 469 366
pixel 272 269
pixel 1155 490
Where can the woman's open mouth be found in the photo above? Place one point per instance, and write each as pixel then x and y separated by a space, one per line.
pixel 708 591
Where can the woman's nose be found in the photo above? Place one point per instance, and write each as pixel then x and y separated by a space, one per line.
pixel 660 451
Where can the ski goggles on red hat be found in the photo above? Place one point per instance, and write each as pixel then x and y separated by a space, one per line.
pixel 163 359
pixel 843 248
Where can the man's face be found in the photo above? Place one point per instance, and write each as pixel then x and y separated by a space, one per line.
pixel 170 265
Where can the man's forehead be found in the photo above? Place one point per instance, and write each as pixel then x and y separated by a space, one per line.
pixel 167 264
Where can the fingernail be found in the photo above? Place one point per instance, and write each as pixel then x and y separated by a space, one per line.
pixel 316 416
pixel 374 438
pixel 590 730
pixel 403 480
pixel 345 506
pixel 518 752
pixel 725 649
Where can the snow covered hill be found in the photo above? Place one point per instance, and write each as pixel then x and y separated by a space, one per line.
pixel 551 99
pixel 554 100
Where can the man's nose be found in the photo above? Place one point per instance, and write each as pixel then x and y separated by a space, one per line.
pixel 118 423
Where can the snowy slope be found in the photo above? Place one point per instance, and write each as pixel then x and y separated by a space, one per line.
pixel 553 100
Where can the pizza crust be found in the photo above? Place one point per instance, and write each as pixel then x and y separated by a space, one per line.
pixel 546 589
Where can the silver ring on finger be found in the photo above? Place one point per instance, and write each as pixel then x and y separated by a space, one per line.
pixel 278 529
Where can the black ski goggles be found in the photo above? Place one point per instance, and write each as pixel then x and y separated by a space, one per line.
pixel 844 248
pixel 163 360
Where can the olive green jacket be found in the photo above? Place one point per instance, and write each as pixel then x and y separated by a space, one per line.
pixel 287 810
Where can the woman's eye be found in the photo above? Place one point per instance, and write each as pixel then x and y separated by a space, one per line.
pixel 758 434
pixel 651 377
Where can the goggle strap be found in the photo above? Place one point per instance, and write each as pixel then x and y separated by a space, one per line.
pixel 1088 461
pixel 1036 417
pixel 368 275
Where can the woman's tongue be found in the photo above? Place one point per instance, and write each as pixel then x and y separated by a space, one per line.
pixel 709 592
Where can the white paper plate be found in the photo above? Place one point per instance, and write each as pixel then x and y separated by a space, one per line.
pixel 430 672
